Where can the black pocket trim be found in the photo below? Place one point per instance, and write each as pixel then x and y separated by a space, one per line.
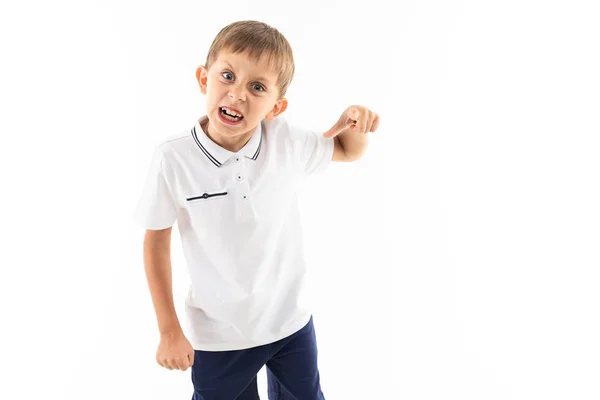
pixel 206 196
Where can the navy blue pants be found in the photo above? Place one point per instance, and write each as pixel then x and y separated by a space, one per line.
pixel 291 364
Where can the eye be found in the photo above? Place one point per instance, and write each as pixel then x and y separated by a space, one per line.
pixel 226 74
pixel 258 87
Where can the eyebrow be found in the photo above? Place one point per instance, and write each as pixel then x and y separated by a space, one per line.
pixel 260 78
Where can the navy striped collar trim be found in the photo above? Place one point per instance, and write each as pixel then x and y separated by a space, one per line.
pixel 218 155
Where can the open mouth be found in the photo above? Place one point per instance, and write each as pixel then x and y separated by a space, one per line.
pixel 230 115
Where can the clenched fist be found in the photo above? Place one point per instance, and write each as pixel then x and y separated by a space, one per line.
pixel 175 352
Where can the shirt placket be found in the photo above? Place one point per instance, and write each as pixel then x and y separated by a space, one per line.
pixel 241 191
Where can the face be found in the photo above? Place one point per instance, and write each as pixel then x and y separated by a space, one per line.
pixel 240 94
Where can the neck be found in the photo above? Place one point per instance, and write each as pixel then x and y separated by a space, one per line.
pixel 233 144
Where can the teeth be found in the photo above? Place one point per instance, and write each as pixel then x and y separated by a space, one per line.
pixel 228 111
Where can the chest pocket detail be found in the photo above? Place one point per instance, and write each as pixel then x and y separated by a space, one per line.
pixel 206 196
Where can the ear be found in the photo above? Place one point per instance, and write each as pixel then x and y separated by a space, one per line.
pixel 202 78
pixel 278 108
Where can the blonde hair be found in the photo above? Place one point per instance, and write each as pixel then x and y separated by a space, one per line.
pixel 257 39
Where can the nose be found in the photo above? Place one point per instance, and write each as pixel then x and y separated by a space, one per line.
pixel 237 93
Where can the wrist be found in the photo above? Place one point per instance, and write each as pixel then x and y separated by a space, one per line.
pixel 171 330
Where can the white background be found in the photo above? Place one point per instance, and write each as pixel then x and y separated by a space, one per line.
pixel 458 259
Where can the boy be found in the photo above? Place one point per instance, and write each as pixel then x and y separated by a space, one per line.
pixel 229 183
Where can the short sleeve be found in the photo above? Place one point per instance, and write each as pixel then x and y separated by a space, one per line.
pixel 314 151
pixel 156 208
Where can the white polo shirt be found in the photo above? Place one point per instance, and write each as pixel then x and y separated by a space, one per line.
pixel 240 228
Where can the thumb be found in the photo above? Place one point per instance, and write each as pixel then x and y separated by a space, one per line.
pixel 352 114
pixel 346 120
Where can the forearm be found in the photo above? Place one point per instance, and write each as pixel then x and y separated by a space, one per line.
pixel 354 144
pixel 157 264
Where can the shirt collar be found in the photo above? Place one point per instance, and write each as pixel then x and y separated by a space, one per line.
pixel 217 154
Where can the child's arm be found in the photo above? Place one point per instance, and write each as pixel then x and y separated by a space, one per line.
pixel 350 133
pixel 174 350
pixel 157 264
